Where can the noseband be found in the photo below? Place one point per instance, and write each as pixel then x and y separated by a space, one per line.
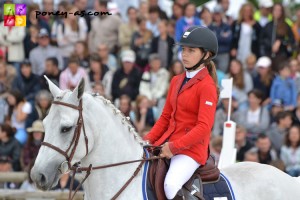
pixel 76 167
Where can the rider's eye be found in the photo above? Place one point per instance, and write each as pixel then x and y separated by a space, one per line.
pixel 66 129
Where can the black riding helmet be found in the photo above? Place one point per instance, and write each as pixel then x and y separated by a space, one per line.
pixel 203 38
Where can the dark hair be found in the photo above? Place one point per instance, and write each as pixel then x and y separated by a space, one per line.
pixel 257 93
pixel 140 19
pixel 53 60
pixel 211 67
pixel 187 5
pixel 10 131
pixel 262 136
pixel 73 59
pixel 282 115
pixel 103 3
pixel 282 65
pixel 154 9
pixel 287 140
pixel 282 27
pixel 95 57
pixel 130 8
pixel 18 95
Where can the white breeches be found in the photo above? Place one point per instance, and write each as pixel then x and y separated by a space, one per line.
pixel 181 169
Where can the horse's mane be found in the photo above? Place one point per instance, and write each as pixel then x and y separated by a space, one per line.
pixel 125 120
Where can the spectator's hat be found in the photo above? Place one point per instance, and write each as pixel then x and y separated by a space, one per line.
pixel 218 9
pixel 277 103
pixel 128 56
pixel 266 3
pixel 43 33
pixel 37 126
pixel 264 62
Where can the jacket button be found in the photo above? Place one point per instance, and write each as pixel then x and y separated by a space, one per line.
pixel 187 129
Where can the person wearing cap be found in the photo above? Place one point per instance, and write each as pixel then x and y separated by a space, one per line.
pixel 184 127
pixel 27 82
pixel 126 80
pixel 31 148
pixel 224 36
pixel 44 50
pixel 264 77
pixel 264 14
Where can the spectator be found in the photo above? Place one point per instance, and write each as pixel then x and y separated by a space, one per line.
pixel 264 14
pixel 276 107
pixel 162 45
pixel 205 16
pixel 7 75
pixel 126 80
pixel 266 154
pixel 295 74
pixel 27 82
pixel 154 83
pixel 227 18
pixel 296 112
pixel 143 11
pixel 296 28
pixel 125 105
pixel 107 58
pixel 98 88
pixel 126 30
pixel 48 6
pixel 186 21
pixel 143 115
pixel 51 71
pixel 82 51
pixel 42 105
pixel 242 82
pixel 264 78
pixel 31 148
pixel 72 30
pixel 176 68
pixel 221 116
pixel 216 147
pixel 104 30
pixel 10 150
pixel 245 33
pixel 64 183
pixel 250 65
pixel 251 155
pixel 177 11
pixel 141 43
pixel 97 70
pixel 154 3
pixel 39 54
pixel 32 41
pixel 11 42
pixel 277 38
pixel 72 75
pixel 241 143
pixel 284 88
pixel 290 151
pixel 224 36
pixel 19 109
pixel 153 21
pixel 81 5
pixel 278 130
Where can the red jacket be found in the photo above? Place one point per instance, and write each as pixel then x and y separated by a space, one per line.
pixel 188 117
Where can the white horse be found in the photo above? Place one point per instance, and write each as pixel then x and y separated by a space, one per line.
pixel 111 139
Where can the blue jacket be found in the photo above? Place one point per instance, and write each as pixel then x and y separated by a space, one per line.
pixel 224 36
pixel 284 89
pixel 182 26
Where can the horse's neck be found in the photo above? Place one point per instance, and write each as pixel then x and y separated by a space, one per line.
pixel 113 143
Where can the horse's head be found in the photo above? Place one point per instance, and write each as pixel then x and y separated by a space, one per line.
pixel 64 129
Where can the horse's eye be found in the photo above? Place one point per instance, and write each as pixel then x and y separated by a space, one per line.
pixel 66 129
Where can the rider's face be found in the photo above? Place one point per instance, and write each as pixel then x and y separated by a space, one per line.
pixel 191 56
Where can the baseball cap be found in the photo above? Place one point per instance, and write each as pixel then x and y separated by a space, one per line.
pixel 128 56
pixel 264 62
pixel 277 103
pixel 265 3
pixel 43 32
pixel 218 9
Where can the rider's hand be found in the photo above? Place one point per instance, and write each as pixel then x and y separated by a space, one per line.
pixel 166 152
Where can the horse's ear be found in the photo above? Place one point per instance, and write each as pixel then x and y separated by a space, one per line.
pixel 52 87
pixel 79 89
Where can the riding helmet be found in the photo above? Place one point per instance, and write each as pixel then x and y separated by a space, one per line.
pixel 202 37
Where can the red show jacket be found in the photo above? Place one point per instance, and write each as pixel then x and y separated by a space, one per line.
pixel 187 117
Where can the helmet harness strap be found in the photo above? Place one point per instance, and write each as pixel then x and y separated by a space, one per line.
pixel 202 60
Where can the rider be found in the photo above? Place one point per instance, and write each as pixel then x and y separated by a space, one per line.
pixel 185 125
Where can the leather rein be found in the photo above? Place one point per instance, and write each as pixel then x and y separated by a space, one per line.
pixel 76 167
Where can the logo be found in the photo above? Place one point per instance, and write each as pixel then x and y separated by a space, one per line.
pixel 14 14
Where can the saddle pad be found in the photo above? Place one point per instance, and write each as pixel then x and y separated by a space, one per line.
pixel 219 190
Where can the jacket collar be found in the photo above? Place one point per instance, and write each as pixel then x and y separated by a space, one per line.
pixel 198 77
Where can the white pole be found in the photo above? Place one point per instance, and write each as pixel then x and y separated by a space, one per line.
pixel 230 101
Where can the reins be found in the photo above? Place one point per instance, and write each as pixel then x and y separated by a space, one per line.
pixel 76 167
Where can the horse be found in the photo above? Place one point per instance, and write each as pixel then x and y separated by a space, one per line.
pixel 88 129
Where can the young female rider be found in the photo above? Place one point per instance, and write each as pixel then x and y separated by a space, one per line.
pixel 185 125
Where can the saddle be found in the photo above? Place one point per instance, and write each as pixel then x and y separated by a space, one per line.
pixel 207 173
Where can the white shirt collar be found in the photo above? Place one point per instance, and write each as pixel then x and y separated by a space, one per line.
pixel 192 73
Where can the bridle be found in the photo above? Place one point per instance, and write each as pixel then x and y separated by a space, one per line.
pixel 76 167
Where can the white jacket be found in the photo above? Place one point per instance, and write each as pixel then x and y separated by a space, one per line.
pixel 14 42
pixel 154 85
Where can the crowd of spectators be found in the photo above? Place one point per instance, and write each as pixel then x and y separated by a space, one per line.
pixel 132 62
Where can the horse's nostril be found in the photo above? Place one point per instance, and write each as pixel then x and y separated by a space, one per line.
pixel 43 178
